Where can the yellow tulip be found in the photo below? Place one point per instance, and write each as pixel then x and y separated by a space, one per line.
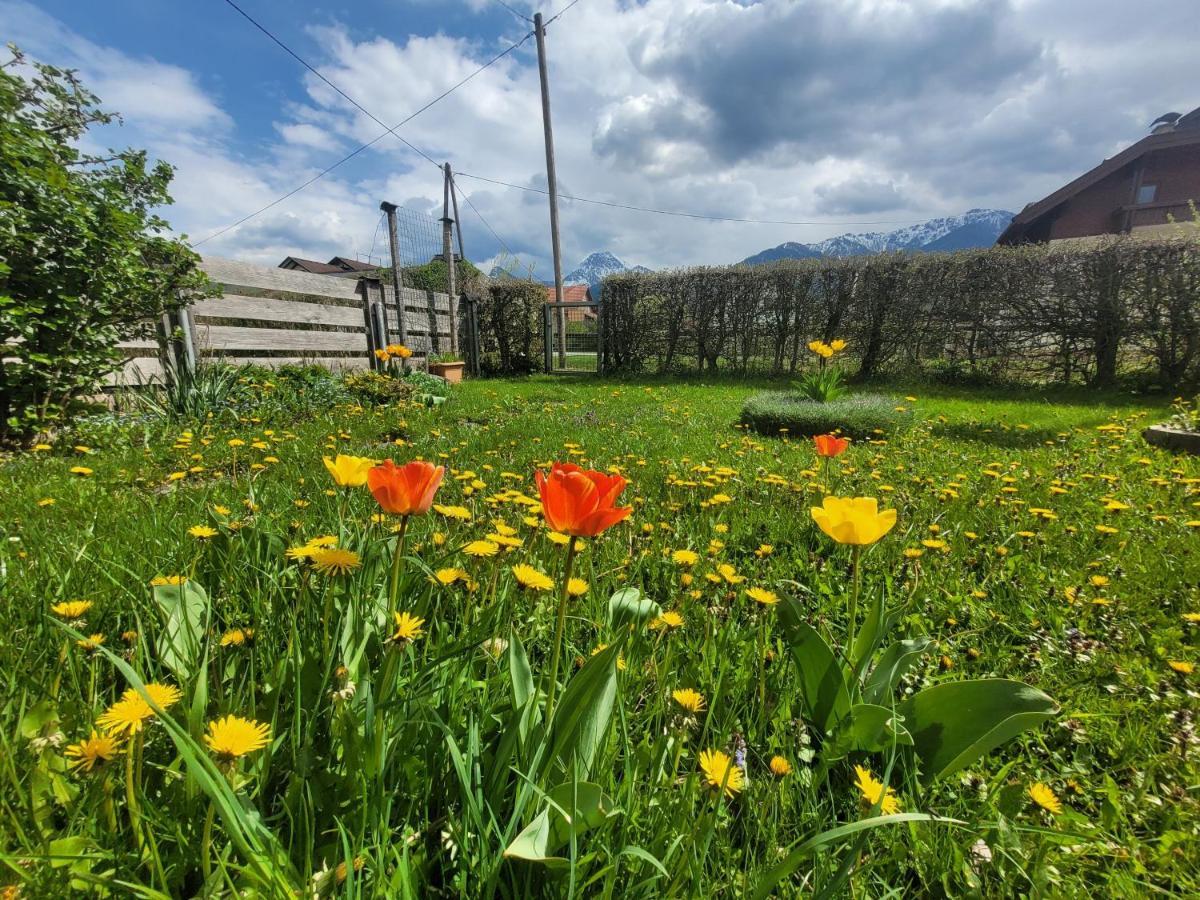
pixel 820 348
pixel 349 471
pixel 837 346
pixel 853 520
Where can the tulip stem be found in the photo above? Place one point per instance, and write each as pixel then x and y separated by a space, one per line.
pixel 394 589
pixel 857 585
pixel 559 627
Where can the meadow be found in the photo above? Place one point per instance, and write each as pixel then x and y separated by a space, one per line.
pixel 388 682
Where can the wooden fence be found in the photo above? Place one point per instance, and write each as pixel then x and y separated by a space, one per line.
pixel 270 316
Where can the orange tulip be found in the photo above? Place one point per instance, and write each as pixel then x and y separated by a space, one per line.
pixel 405 490
pixel 580 502
pixel 829 445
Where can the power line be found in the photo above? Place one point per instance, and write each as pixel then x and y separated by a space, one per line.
pixel 519 15
pixel 670 212
pixel 488 225
pixel 361 148
pixel 560 12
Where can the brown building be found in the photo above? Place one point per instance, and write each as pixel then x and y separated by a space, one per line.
pixel 339 265
pixel 1144 189
pixel 575 293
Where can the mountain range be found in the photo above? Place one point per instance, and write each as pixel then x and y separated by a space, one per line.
pixel 974 228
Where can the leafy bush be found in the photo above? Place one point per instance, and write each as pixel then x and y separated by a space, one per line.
pixel 378 388
pixel 510 326
pixel 432 276
pixel 84 260
pixel 423 383
pixel 857 416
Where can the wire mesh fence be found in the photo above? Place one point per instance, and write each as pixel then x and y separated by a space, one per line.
pixel 572 337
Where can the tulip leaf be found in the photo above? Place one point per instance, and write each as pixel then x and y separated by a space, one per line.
pixel 822 684
pixel 185 607
pixel 956 723
pixel 893 664
pixel 583 712
pixel 628 607
pixel 868 729
pixel 572 809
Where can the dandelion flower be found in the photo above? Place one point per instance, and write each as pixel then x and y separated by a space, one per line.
pixel 668 620
pixel 531 579
pixel 408 627
pixel 461 513
pixel 577 587
pixel 335 561
pixel 780 766
pixel 720 772
pixel 91 643
pixel 763 596
pixel 132 711
pixel 202 532
pixel 1045 798
pixel 71 609
pixel 237 637
pixel 480 549
pixel 689 699
pixel 93 752
pixel 685 558
pixel 82 471
pixel 233 737
pixel 874 793
pixel 1183 668
pixel 171 580
pixel 449 576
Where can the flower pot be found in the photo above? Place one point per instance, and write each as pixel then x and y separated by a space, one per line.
pixel 451 371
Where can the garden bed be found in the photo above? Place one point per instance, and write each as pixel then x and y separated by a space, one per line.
pixel 858 416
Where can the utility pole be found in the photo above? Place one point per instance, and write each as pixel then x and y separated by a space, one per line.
pixel 454 338
pixel 448 256
pixel 539 30
pixel 394 241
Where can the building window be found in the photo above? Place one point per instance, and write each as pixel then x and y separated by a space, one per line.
pixel 1146 193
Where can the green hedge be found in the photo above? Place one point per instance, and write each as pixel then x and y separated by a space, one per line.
pixel 858 416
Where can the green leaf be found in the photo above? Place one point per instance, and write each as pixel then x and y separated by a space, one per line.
pixel 582 714
pixel 895 661
pixel 628 607
pixel 573 809
pixel 805 849
pixel 822 683
pixel 868 729
pixel 955 724
pixel 519 671
pixel 185 607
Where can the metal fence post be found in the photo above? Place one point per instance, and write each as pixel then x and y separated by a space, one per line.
pixel 548 328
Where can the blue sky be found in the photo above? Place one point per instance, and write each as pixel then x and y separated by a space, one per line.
pixel 836 112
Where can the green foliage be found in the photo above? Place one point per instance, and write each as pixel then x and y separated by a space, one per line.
pixel 84 258
pixel 378 388
pixel 822 386
pixel 432 276
pixel 510 326
pixel 858 416
pixel 211 389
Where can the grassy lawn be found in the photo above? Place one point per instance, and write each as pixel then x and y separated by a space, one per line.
pixel 410 762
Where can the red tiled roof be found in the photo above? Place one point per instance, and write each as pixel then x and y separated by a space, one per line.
pixel 572 293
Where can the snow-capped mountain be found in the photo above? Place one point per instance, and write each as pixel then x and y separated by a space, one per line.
pixel 974 228
pixel 597 265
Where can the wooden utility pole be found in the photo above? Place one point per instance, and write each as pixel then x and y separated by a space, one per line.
pixel 394 241
pixel 539 30
pixel 454 339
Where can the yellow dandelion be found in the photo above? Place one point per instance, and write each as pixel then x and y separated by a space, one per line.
pixel 480 549
pixel 82 471
pixel 335 561
pixel 875 793
pixel 71 609
pixel 233 737
pixel 165 580
pixel 408 627
pixel 577 587
pixel 720 772
pixel 689 699
pixel 93 752
pixel 90 643
pixel 449 576
pixel 1045 798
pixel 132 711
pixel 763 596
pixel 668 620
pixel 202 532
pixel 685 558
pixel 1183 668
pixel 461 513
pixel 237 637
pixel 531 579
pixel 780 766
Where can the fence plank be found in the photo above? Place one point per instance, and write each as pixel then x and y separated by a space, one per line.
pixel 334 363
pixel 236 306
pixel 217 338
pixel 234 274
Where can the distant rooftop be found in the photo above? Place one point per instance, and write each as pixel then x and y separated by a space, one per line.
pixel 339 265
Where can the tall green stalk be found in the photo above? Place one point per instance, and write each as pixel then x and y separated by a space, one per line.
pixel 560 626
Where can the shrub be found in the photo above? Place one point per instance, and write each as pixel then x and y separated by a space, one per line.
pixel 377 388
pixel 510 326
pixel 84 260
pixel 858 416
pixel 432 276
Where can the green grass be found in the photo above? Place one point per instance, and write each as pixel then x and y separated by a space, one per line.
pixel 857 416
pixel 428 771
